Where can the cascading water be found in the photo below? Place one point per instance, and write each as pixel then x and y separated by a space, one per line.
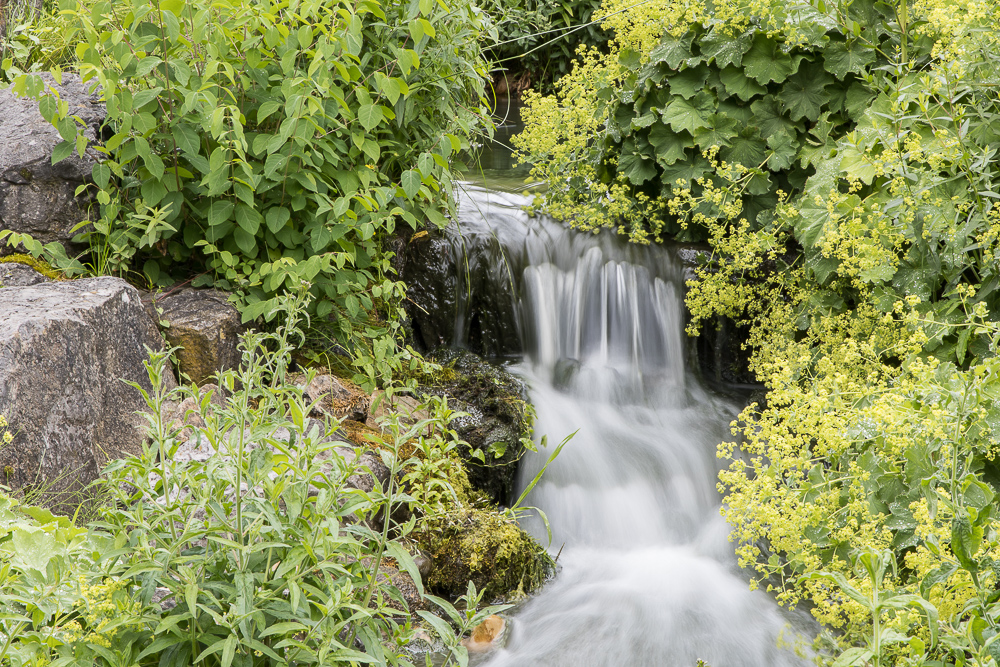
pixel 647 575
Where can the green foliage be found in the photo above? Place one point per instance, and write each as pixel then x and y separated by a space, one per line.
pixel 260 554
pixel 763 84
pixel 257 145
pixel 536 40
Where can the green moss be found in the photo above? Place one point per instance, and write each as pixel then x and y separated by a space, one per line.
pixel 43 268
pixel 486 547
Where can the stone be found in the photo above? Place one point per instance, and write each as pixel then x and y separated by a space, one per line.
pixel 406 407
pixel 338 397
pixel 67 350
pixel 37 197
pixel 13 274
pixel 488 548
pixel 486 636
pixel 206 326
pixel 497 417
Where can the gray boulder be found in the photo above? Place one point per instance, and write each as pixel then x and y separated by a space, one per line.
pixel 13 274
pixel 37 197
pixel 65 349
pixel 206 326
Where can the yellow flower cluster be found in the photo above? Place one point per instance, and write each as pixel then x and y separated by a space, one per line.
pixel 6 437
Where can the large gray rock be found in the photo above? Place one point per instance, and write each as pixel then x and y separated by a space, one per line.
pixel 65 349
pixel 13 274
pixel 207 328
pixel 37 197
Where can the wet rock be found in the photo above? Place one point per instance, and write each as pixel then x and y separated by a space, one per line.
pixel 498 418
pixel 487 636
pixel 458 293
pixel 406 407
pixel 206 326
pixel 338 397
pixel 13 274
pixel 37 197
pixel 65 349
pixel 489 549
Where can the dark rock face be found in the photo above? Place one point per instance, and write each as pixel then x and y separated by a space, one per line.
pixel 207 327
pixel 458 293
pixel 498 417
pixel 65 349
pixel 37 197
pixel 13 274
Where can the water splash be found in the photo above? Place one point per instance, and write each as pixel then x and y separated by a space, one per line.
pixel 648 577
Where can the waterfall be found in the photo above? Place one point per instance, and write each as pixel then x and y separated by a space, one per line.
pixel 647 574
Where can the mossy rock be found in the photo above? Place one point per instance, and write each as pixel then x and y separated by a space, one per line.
pixel 38 265
pixel 499 416
pixel 486 547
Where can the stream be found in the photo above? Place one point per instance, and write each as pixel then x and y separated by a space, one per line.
pixel 647 575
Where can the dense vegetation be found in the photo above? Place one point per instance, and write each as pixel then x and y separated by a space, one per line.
pixel 255 146
pixel 839 159
pixel 182 569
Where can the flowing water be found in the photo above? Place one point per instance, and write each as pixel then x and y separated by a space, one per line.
pixel 647 575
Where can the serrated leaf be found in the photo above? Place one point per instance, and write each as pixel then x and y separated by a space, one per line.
pixel 672 51
pixel 746 148
pixel 721 129
pixel 841 58
pixel 635 165
pixel 724 49
pixel 784 149
pixel 668 145
pixel 766 62
pixel 689 115
pixel 688 82
pixel 769 118
pixel 857 164
pixel 804 93
pixel 739 84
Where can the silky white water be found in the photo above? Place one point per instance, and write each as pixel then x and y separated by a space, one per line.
pixel 647 575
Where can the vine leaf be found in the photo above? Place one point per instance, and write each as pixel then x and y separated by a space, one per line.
pixel 766 62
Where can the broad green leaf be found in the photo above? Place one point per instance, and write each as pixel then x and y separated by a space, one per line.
pixel 411 182
pixel 746 148
pixel 370 116
pixel 726 50
pixel 672 51
pixel 739 84
pixel 720 131
pixel 766 62
pixel 770 119
pixel 841 59
pixel 668 145
pixel 689 115
pixel 688 82
pixel 804 94
pixel 219 212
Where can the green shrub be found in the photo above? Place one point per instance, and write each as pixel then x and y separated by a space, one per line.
pixel 254 145
pixel 260 554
